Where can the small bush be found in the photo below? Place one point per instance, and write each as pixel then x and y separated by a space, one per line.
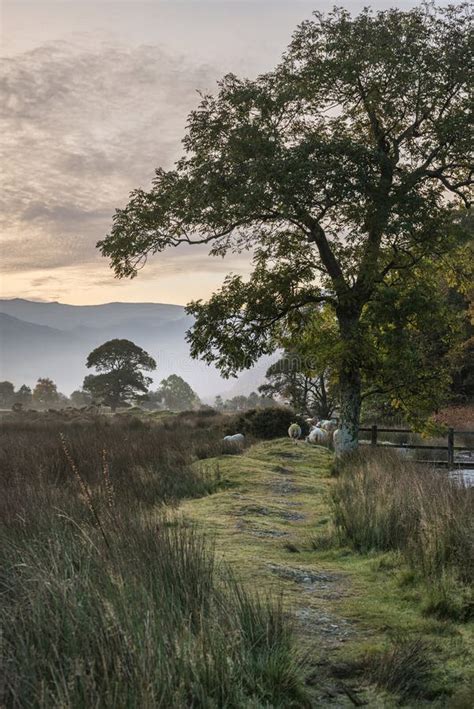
pixel 269 423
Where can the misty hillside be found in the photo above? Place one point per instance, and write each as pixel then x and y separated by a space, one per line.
pixel 39 339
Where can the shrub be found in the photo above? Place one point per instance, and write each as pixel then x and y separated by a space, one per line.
pixel 269 423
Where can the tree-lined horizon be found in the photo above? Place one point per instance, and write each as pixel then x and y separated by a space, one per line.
pixel 347 171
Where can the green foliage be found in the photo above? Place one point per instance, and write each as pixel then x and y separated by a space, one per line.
pixel 176 394
pixel 80 398
pixel 413 331
pixel 45 392
pixel 23 396
pixel 242 402
pixel 269 423
pixel 119 363
pixel 295 380
pixel 342 168
pixel 6 394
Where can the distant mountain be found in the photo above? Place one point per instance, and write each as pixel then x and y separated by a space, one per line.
pixel 67 317
pixel 40 339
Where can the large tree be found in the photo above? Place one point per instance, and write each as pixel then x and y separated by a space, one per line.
pixel 120 379
pixel 176 394
pixel 346 164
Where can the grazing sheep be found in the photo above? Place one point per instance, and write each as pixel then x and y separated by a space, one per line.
pixel 237 439
pixel 328 425
pixel 317 436
pixel 294 432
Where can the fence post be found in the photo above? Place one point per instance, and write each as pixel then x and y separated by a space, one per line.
pixel 450 446
pixel 373 439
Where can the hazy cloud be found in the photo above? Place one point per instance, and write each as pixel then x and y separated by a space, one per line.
pixel 82 124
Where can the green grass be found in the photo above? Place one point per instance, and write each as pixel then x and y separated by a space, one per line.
pixel 109 600
pixel 212 581
pixel 371 599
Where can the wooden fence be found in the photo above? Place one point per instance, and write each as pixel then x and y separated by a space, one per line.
pixel 451 448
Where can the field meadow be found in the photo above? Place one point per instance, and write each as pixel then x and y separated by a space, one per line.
pixel 144 563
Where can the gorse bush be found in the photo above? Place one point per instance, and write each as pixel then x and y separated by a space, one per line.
pixel 269 423
pixel 382 502
pixel 110 600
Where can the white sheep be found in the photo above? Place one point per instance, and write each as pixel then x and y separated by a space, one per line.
pixel 294 432
pixel 328 425
pixel 317 436
pixel 237 439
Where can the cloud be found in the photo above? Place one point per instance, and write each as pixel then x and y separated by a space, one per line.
pixel 82 124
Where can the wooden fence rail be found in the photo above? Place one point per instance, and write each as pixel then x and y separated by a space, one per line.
pixel 374 430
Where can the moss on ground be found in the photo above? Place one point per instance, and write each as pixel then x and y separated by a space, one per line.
pixel 271 524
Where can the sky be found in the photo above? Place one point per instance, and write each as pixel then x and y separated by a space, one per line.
pixel 93 97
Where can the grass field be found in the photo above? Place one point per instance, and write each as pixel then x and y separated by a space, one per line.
pixel 359 617
pixel 143 565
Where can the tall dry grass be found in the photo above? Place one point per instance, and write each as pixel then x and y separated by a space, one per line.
pixel 148 463
pixel 109 600
pixel 384 502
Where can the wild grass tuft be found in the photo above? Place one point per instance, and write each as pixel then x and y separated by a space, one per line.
pixel 404 667
pixel 382 502
pixel 109 600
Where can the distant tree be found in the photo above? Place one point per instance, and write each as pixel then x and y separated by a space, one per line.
pixel 45 392
pixel 237 403
pixel 176 394
pixel 342 168
pixel 243 403
pixel 120 379
pixel 24 396
pixel 218 403
pixel 6 394
pixel 304 390
pixel 253 399
pixel 80 398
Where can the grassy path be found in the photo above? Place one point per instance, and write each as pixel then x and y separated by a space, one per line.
pixel 270 525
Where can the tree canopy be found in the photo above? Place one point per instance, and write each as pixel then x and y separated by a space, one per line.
pixel 176 394
pixel 341 170
pixel 6 394
pixel 119 363
pixel 45 392
pixel 294 379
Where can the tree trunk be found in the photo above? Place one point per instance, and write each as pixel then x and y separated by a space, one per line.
pixel 350 401
pixel 325 409
pixel 349 386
